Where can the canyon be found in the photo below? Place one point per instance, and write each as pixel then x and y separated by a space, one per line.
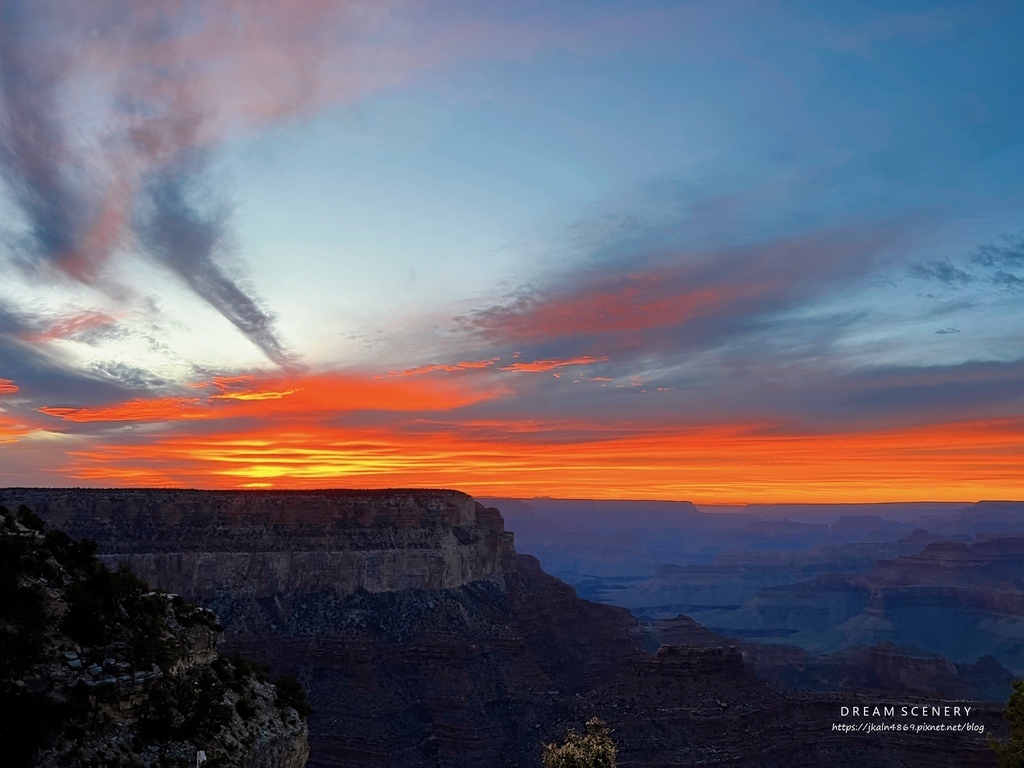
pixel 424 639
pixel 929 579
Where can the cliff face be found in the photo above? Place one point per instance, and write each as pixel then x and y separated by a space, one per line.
pixel 269 544
pixel 424 641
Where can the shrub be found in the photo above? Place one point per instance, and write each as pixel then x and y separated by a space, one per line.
pixel 290 694
pixel 245 667
pixel 593 749
pixel 30 519
pixel 1011 753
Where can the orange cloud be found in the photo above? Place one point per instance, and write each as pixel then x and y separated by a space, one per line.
pixel 224 383
pixel 310 395
pixel 265 395
pixel 161 409
pixel 728 463
pixel 7 387
pixel 465 365
pixel 11 431
pixel 548 365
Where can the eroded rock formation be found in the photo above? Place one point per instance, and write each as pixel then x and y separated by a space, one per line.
pixel 280 544
pixel 425 641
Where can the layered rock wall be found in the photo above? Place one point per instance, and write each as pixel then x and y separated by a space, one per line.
pixel 481 661
pixel 264 545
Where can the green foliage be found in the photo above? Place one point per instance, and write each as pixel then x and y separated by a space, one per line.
pixel 290 694
pixel 202 697
pixel 593 749
pixel 191 707
pixel 1011 753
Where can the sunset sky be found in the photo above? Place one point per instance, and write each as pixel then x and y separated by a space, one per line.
pixel 718 251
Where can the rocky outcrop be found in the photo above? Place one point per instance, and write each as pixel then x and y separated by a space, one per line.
pixel 473 676
pixel 470 665
pixel 98 670
pixel 281 545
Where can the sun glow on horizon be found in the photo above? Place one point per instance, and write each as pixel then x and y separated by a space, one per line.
pixel 718 464
pixel 520 252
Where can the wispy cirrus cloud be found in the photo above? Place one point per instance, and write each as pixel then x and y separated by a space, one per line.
pixel 550 365
pixel 298 396
pixel 998 265
pixel 77 327
pixel 465 365
pixel 678 301
pixel 159 409
pixel 481 365
pixel 108 110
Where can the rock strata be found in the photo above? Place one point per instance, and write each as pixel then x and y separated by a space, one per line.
pixel 280 545
pixel 479 660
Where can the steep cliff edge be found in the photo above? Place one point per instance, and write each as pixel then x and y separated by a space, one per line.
pixel 98 670
pixel 425 641
pixel 283 544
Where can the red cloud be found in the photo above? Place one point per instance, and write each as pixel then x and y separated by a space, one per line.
pixel 7 387
pixel 718 288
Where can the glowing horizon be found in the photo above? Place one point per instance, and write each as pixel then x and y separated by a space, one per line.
pixel 721 253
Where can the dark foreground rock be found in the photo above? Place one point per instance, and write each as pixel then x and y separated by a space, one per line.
pixel 97 670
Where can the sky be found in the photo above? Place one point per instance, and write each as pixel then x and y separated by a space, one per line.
pixel 723 252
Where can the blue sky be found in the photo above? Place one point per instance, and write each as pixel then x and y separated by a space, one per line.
pixel 751 218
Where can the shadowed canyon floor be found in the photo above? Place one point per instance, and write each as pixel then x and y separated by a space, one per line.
pixel 932 579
